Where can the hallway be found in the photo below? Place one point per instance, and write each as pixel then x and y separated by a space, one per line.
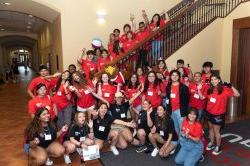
pixel 14 118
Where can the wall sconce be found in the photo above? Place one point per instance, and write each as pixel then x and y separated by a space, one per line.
pixel 101 16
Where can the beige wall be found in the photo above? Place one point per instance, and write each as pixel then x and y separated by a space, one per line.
pixel 49 42
pixel 80 26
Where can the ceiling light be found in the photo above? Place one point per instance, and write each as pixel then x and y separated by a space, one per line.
pixel 29 23
pixel 30 16
pixel 6 3
pixel 29 27
pixel 2 29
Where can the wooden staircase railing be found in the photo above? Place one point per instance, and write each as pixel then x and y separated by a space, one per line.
pixel 178 31
pixel 179 8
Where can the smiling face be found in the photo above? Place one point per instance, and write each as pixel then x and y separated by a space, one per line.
pixel 133 78
pixel 81 118
pixel 215 81
pixel 146 105
pixel 104 54
pixel 197 77
pixel 103 110
pixel 161 65
pixel 105 78
pixel 156 18
pixel 151 77
pixel 207 69
pixel 160 111
pixel 76 77
pixel 44 116
pixel 65 75
pixel 174 77
pixel 139 71
pixel 44 72
pixel 42 91
pixel 192 116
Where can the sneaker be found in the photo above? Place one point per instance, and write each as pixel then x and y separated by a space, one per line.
pixel 217 151
pixel 172 152
pixel 141 149
pixel 155 152
pixel 67 159
pixel 114 150
pixel 202 158
pixel 210 146
pixel 49 162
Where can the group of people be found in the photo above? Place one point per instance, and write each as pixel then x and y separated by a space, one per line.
pixel 71 111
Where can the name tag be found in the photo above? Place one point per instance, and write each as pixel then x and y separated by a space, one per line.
pixel 86 92
pixel 213 100
pixel 106 94
pixel 48 137
pixel 167 101
pixel 172 95
pixel 101 128
pixel 139 121
pixel 59 93
pixel 196 96
pixel 82 139
pixel 150 93
pixel 162 133
pixel 123 115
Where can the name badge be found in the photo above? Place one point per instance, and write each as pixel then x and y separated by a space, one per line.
pixel 150 93
pixel 213 100
pixel 101 128
pixel 82 139
pixel 86 92
pixel 196 96
pixel 139 121
pixel 123 115
pixel 59 93
pixel 106 95
pixel 172 95
pixel 167 101
pixel 48 137
pixel 162 133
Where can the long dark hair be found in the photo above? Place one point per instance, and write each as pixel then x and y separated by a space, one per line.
pixel 174 71
pixel 163 122
pixel 116 47
pixel 35 126
pixel 194 111
pixel 219 86
pixel 59 81
pixel 130 84
pixel 159 20
pixel 156 82
pixel 76 123
pixel 83 81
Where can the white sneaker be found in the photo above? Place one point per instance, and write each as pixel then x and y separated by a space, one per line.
pixel 67 159
pixel 49 162
pixel 114 150
pixel 155 152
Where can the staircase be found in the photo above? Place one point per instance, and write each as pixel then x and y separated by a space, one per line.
pixel 187 21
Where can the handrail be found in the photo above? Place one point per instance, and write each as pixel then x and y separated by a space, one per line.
pixel 193 19
pixel 177 9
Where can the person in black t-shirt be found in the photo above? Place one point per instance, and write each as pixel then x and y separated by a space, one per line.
pixel 102 128
pixel 163 132
pixel 80 135
pixel 119 112
pixel 41 135
pixel 144 123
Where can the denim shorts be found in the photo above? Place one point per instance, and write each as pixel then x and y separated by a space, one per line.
pixel 26 148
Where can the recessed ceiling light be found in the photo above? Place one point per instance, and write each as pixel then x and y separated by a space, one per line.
pixel 30 16
pixel 6 3
pixel 2 29
pixel 29 23
pixel 28 27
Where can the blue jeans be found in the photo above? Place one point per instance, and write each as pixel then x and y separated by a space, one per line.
pixel 64 116
pixel 189 153
pixel 156 48
pixel 176 116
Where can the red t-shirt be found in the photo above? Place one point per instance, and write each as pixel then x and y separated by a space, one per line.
pixel 87 100
pixel 163 86
pixel 40 80
pixel 152 95
pixel 101 62
pixel 175 97
pixel 60 98
pixel 152 27
pixel 108 92
pixel 38 102
pixel 142 79
pixel 123 38
pixel 130 93
pixel 140 35
pixel 186 70
pixel 217 103
pixel 119 79
pixel 88 66
pixel 128 44
pixel 194 130
pixel 205 78
pixel 194 100
pixel 111 52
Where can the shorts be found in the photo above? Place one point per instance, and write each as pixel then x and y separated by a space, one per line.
pixel 216 119
pixel 117 127
pixel 26 148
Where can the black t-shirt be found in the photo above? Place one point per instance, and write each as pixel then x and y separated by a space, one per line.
pixel 102 126
pixel 119 111
pixel 79 133
pixel 164 132
pixel 142 119
pixel 47 136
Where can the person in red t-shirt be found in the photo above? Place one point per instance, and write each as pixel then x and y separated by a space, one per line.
pixel 152 90
pixel 103 60
pixel 180 63
pixel 106 89
pixel 217 96
pixel 87 63
pixel 62 98
pixel 206 71
pixel 112 40
pixel 190 140
pixel 126 28
pixel 140 74
pixel 131 89
pixel 184 76
pixel 42 100
pixel 44 78
pixel 197 89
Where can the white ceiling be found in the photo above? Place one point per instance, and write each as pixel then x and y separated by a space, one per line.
pixel 15 17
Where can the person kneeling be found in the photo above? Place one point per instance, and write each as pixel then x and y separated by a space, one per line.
pixel 80 135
